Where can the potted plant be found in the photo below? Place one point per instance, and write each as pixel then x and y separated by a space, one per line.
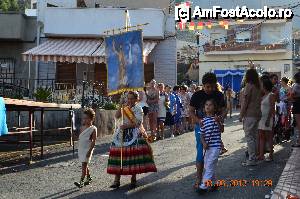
pixel 110 106
pixel 42 94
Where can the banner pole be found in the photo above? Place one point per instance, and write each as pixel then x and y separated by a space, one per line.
pixel 122 118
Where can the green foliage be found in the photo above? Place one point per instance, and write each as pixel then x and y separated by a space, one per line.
pixel 17 96
pixel 180 78
pixel 9 5
pixel 4 5
pixel 110 106
pixel 42 94
pixel 14 6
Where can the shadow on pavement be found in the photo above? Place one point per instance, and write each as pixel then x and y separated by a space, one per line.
pixel 229 168
pixel 61 194
pixel 49 159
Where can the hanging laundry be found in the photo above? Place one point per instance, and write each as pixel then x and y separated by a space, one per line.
pixel 3 125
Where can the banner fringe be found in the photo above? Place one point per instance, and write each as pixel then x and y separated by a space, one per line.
pixel 120 91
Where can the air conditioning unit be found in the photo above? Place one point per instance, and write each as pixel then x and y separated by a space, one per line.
pixel 242 40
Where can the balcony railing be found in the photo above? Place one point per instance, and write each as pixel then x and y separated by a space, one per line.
pixel 87 93
pixel 237 46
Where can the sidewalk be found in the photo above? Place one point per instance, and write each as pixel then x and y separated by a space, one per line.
pixel 289 182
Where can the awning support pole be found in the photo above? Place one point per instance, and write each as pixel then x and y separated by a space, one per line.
pixel 42 133
pixel 30 135
pixel 29 66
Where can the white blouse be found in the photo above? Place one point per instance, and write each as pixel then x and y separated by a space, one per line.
pixel 138 113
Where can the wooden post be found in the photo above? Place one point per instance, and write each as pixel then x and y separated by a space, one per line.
pixel 72 131
pixel 19 119
pixel 30 135
pixel 19 125
pixel 42 133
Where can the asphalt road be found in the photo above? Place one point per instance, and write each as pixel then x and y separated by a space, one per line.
pixel 53 177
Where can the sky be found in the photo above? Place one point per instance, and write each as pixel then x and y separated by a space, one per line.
pixel 252 4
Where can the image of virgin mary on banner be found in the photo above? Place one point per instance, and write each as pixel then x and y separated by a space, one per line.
pixel 124 59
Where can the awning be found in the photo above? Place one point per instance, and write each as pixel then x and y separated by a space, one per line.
pixel 75 50
pixel 66 50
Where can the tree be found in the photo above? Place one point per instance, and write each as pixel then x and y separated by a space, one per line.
pixel 14 6
pixel 4 5
pixel 9 5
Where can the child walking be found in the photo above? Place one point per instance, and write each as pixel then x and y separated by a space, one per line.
pixel 210 132
pixel 86 144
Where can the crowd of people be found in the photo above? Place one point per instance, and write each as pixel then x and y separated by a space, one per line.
pixel 201 109
pixel 279 104
pixel 165 106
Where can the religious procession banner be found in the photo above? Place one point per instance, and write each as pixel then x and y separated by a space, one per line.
pixel 124 59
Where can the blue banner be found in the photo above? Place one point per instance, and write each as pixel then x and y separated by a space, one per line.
pixel 230 78
pixel 3 125
pixel 124 60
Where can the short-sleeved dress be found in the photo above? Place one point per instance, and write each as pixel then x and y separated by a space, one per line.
pixel 296 102
pixel 152 95
pixel 185 100
pixel 84 144
pixel 265 109
pixel 162 111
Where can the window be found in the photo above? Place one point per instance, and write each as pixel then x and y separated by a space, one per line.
pixel 101 75
pixel 34 6
pixel 287 68
pixel 7 70
pixel 51 5
pixel 65 75
pixel 243 36
pixel 217 39
pixel 81 4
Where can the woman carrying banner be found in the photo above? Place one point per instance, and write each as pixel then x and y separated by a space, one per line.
pixel 130 154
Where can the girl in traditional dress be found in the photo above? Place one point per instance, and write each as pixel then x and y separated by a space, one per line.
pixel 86 144
pixel 130 154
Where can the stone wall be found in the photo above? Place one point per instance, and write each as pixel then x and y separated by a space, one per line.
pixel 105 121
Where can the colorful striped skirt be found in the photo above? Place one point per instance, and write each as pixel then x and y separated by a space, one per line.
pixel 136 158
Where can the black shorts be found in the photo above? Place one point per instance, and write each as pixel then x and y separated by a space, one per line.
pixel 145 110
pixel 296 107
pixel 169 119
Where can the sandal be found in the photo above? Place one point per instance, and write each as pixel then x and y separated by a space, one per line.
pixel 79 184
pixel 296 145
pixel 133 184
pixel 268 159
pixel 88 181
pixel 116 185
pixel 223 151
pixel 196 185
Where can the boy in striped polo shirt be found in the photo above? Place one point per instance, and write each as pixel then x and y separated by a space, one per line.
pixel 210 132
